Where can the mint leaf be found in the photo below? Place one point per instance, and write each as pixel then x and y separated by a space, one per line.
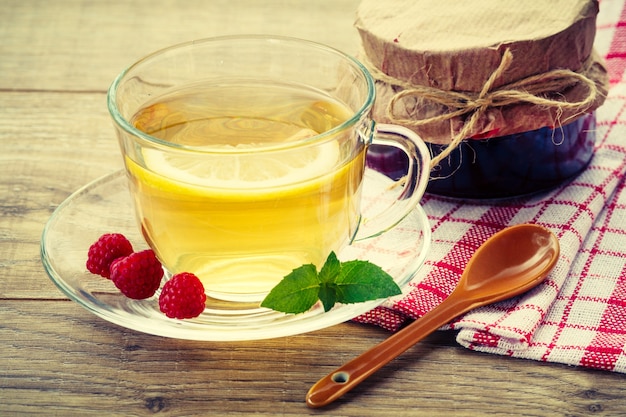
pixel 327 295
pixel 331 269
pixel 362 281
pixel 296 293
pixel 337 282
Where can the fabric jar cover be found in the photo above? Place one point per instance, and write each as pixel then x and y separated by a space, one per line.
pixel 451 46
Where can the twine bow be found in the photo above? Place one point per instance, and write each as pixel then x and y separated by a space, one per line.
pixel 531 90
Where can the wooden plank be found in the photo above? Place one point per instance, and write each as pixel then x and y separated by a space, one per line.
pixel 81 45
pixel 52 144
pixel 61 360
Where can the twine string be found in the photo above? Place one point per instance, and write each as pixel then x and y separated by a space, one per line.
pixel 533 90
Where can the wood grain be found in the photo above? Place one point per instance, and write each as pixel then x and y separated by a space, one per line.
pixel 57 59
pixel 59 359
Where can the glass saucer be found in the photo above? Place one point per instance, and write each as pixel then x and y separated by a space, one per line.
pixel 105 206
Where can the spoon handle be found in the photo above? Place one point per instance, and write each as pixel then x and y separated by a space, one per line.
pixel 349 375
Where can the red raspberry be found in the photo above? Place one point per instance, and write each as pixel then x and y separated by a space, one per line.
pixel 137 275
pixel 182 296
pixel 105 250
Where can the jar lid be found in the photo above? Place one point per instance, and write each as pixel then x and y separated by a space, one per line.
pixel 434 50
pixel 457 45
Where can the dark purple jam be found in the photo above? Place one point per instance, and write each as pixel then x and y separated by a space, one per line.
pixel 505 166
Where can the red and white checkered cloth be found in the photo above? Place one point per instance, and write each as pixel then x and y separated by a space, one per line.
pixel 578 316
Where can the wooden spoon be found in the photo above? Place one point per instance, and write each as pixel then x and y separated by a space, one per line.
pixel 509 263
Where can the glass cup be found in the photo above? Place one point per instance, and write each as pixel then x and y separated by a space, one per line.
pixel 245 157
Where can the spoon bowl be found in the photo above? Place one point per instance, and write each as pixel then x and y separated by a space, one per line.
pixel 509 263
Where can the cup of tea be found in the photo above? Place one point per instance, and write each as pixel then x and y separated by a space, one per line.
pixel 245 157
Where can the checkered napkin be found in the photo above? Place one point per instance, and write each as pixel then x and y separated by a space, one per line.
pixel 578 315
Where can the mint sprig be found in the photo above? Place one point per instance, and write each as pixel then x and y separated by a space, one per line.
pixel 337 282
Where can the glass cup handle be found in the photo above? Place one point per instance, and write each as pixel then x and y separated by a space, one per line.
pixel 413 184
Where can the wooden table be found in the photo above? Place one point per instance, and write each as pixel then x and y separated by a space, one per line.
pixel 57 59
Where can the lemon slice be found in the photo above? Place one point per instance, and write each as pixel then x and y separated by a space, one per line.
pixel 239 170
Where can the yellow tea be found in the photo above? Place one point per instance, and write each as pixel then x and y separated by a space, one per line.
pixel 238 206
